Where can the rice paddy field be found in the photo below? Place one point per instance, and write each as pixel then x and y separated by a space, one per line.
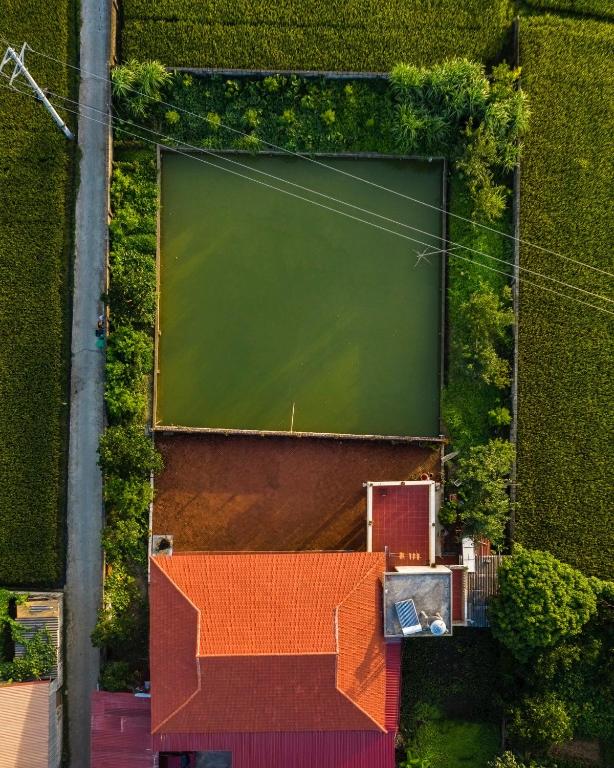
pixel 565 388
pixel 359 35
pixel 36 168
pixel 276 314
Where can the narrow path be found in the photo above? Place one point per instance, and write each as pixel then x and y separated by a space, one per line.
pixel 84 562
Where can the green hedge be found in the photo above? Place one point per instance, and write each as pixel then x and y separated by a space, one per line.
pixel 35 231
pixel 565 386
pixel 603 8
pixel 370 35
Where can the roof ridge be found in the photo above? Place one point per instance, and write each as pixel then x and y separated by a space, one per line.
pixel 337 611
pixel 198 687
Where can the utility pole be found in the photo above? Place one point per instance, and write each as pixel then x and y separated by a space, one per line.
pixel 12 57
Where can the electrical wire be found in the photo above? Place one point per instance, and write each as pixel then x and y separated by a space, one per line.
pixel 312 202
pixel 312 159
pixel 226 158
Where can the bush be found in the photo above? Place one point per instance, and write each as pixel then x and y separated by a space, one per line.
pixel 117 676
pixel 120 617
pixel 539 722
pixel 455 110
pixel 128 452
pixel 484 336
pixel 541 601
pixel 136 85
pixel 128 366
pixel 468 398
pixel 132 290
pixel 484 504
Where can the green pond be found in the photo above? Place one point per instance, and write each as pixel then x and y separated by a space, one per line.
pixel 277 314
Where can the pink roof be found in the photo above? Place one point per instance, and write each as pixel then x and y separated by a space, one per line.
pixel 319 749
pixel 120 732
pixel 24 725
pixel 400 517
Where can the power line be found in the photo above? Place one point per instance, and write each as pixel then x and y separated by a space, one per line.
pixel 338 170
pixel 314 202
pixel 366 211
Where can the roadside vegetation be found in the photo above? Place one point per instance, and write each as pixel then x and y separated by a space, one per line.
pixel 127 454
pixel 36 178
pixel 360 35
pixel 565 387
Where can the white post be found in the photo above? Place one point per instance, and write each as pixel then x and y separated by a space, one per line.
pixel 20 69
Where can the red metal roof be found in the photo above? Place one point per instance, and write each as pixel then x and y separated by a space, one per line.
pixel 458 594
pixel 120 731
pixel 400 517
pixel 330 749
pixel 253 643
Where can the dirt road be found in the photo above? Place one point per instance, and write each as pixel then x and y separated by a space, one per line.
pixel 84 562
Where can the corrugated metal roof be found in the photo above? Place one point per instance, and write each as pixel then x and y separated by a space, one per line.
pixel 42 610
pixel 481 587
pixel 393 684
pixel 249 641
pixel 24 725
pixel 120 731
pixel 342 749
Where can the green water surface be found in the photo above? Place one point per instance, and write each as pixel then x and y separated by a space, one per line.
pixel 270 304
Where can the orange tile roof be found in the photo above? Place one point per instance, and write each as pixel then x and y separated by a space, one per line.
pixel 267 642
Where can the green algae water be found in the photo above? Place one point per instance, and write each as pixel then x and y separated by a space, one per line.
pixel 277 314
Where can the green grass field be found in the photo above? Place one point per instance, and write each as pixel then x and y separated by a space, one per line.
pixel 269 304
pixel 368 35
pixel 35 232
pixel 566 376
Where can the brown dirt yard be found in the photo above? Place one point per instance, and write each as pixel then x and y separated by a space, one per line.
pixel 238 493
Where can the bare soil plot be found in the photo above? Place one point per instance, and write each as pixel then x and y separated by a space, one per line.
pixel 254 493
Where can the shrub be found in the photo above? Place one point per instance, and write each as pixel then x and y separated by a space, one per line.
pixel 128 365
pixel 128 452
pixel 117 676
pixel 539 722
pixel 484 504
pixel 120 617
pixel 126 497
pixel 132 290
pixel 454 109
pixel 541 601
pixel 136 85
pixel 486 319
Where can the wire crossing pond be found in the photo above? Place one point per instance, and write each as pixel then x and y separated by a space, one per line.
pixel 278 314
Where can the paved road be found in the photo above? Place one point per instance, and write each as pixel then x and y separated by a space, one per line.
pixel 84 568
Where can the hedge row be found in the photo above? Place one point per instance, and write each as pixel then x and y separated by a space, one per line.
pixel 603 8
pixel 35 229
pixel 127 455
pixel 566 378
pixel 369 35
